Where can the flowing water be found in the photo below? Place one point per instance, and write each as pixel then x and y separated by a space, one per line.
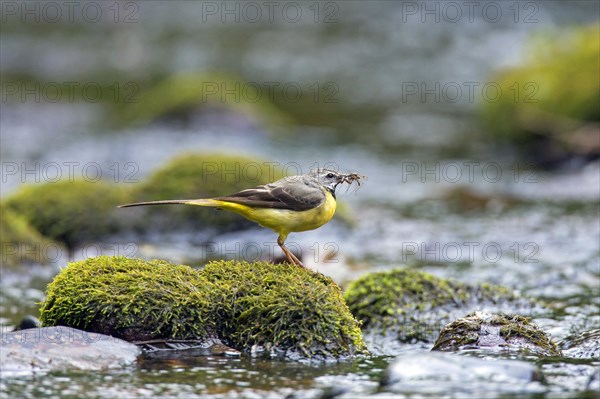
pixel 437 198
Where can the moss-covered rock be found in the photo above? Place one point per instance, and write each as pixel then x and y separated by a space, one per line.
pixel 411 305
pixel 129 298
pixel 551 105
pixel 194 175
pixel 494 332
pixel 179 97
pixel 21 243
pixel 282 308
pixel 72 212
pixel 285 308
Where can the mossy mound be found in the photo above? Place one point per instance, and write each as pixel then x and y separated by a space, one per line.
pixel 282 308
pixel 130 299
pixel 22 244
pixel 179 97
pixel 412 305
pixel 551 105
pixel 495 332
pixel 194 175
pixel 71 212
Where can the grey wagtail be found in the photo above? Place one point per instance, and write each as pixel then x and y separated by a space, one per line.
pixel 292 204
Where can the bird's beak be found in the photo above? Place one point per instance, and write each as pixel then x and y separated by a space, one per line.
pixel 340 180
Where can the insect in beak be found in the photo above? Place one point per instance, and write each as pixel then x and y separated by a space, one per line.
pixel 351 178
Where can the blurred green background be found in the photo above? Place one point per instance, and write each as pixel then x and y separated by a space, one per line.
pixel 449 108
pixel 388 76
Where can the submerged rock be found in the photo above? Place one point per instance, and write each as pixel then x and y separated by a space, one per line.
pixel 178 349
pixel 59 348
pixel 438 374
pixel 585 345
pixel 284 309
pixel 495 332
pixel 404 306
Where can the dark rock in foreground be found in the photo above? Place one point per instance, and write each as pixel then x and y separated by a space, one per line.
pixel 495 332
pixel 58 348
pixel 27 322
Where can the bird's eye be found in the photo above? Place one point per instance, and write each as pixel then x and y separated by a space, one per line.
pixel 330 175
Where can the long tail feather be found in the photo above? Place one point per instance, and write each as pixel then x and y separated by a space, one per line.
pixel 201 202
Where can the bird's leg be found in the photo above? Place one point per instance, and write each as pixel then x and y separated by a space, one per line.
pixel 288 254
pixel 296 260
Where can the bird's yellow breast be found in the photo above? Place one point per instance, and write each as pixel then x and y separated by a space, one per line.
pixel 285 221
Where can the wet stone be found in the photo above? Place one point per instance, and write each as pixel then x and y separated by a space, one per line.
pixel 436 373
pixel 168 348
pixel 585 345
pixel 60 348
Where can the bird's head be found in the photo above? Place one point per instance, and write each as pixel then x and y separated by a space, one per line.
pixel 328 178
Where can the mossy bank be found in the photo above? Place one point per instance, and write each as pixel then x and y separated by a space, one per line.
pixel 281 309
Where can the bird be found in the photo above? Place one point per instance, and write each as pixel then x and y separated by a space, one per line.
pixel 291 204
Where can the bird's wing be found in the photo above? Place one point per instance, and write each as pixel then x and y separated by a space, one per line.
pixel 293 194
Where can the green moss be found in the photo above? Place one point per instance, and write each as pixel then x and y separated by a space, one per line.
pixel 460 333
pixel 130 299
pixel 180 95
pixel 194 175
pixel 380 298
pixel 519 329
pixel 493 332
pixel 413 304
pixel 282 308
pixel 72 212
pixel 553 94
pixel 22 243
